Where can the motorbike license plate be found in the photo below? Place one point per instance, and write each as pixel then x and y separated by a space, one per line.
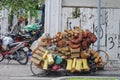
pixel 25 49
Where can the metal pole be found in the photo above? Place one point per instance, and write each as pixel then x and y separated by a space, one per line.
pixel 98 31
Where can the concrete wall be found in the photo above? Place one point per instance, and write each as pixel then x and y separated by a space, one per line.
pixel 109 33
pixel 4 21
pixel 52 16
pixel 91 3
pixel 0 20
pixel 56 20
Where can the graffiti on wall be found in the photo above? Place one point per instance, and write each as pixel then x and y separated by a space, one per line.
pixel 108 41
pixel 113 65
pixel 109 37
pixel 103 29
pixel 111 41
pixel 118 55
pixel 119 36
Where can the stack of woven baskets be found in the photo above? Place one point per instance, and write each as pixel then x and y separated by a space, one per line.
pixel 73 46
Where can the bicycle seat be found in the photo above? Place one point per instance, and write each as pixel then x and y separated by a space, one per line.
pixel 11 45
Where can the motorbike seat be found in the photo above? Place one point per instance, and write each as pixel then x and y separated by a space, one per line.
pixel 11 45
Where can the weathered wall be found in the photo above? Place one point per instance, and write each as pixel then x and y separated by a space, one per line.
pixel 56 18
pixel 110 28
pixel 0 20
pixel 52 16
pixel 4 21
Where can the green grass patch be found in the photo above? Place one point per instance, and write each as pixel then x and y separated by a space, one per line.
pixel 90 79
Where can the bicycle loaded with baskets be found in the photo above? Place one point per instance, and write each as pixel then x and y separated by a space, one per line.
pixel 69 52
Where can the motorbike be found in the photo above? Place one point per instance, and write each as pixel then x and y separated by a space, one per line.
pixel 19 37
pixel 14 51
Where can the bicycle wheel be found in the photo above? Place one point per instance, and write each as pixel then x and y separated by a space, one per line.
pixel 1 57
pixel 22 58
pixel 63 71
pixel 37 71
pixel 104 55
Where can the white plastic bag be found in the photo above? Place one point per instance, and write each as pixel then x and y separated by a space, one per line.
pixel 34 45
pixel 6 41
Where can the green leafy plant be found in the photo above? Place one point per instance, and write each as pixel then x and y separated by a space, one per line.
pixel 15 6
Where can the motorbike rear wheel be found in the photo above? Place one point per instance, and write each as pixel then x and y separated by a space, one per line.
pixel 1 57
pixel 38 71
pixel 22 57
